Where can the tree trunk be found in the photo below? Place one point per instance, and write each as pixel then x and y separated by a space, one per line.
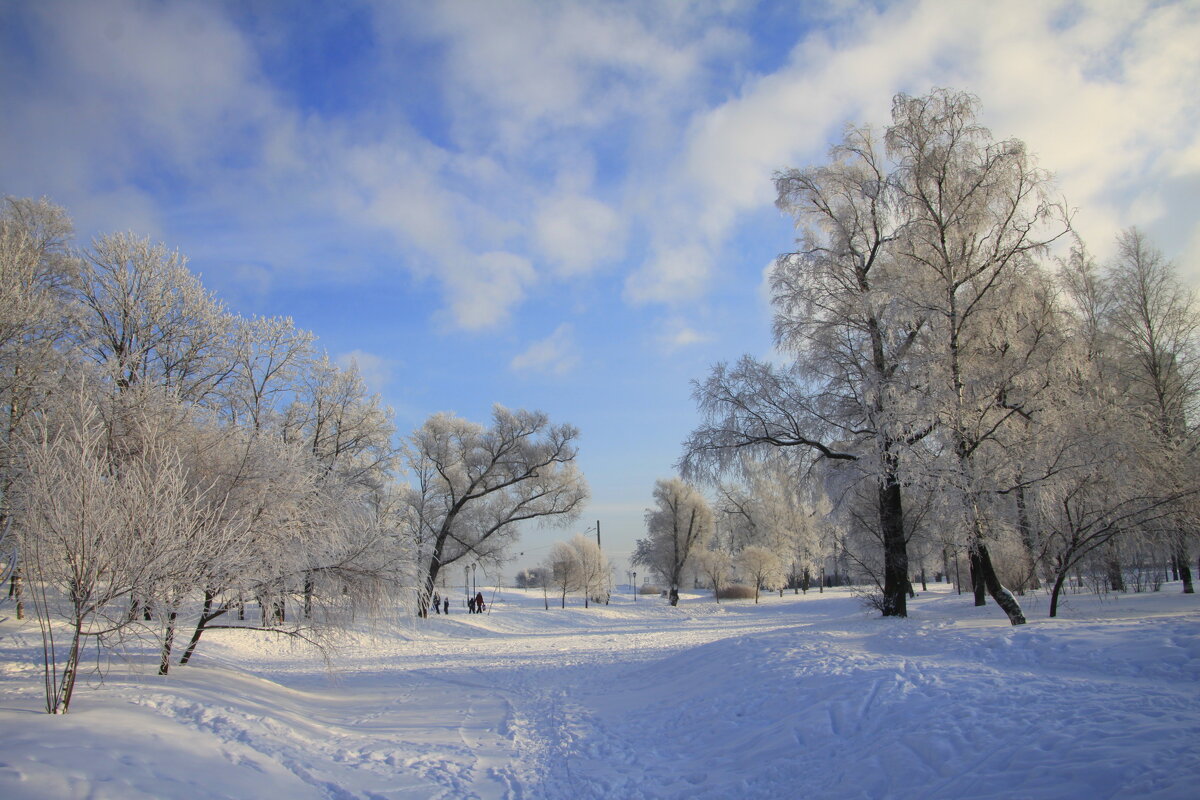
pixel 206 616
pixel 308 594
pixel 164 664
pixel 1056 591
pixel 977 577
pixel 16 591
pixel 1112 566
pixel 895 550
pixel 1003 597
pixel 1185 569
pixel 61 702
pixel 1027 539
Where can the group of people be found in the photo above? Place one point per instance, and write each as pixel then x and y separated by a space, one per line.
pixel 441 605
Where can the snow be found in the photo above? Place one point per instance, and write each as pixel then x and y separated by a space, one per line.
pixel 800 696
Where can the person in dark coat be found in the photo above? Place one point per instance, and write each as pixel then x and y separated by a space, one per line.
pixel 446 606
pixel 470 605
pixel 479 602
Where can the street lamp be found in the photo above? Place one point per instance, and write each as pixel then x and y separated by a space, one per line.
pixel 635 587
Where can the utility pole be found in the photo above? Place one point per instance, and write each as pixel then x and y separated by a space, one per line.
pixel 597 533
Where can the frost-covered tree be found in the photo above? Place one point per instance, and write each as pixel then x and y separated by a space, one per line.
pixel 36 270
pixel 1155 325
pixel 144 318
pixel 270 359
pixel 844 399
pixel 978 215
pixel 595 571
pixel 475 485
pixel 717 566
pixel 563 570
pixel 680 524
pixel 762 567
pixel 95 533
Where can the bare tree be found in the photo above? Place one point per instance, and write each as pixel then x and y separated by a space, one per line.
pixel 146 318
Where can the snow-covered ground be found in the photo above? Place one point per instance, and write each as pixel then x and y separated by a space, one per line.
pixel 807 696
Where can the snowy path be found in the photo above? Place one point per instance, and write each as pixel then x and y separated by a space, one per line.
pixel 796 697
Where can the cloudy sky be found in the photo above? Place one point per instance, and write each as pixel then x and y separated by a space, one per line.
pixel 557 205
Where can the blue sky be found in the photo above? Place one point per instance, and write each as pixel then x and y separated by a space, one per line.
pixel 557 205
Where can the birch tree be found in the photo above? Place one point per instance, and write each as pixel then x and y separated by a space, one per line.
pixel 95 533
pixel 844 399
pixel 979 214
pixel 1155 323
pixel 36 269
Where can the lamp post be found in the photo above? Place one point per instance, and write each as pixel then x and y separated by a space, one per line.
pixel 473 590
pixel 635 586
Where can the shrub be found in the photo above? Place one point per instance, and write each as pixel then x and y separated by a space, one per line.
pixel 736 592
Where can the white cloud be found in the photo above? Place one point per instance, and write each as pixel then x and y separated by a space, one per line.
pixel 484 291
pixel 376 371
pixel 672 276
pixel 1103 93
pixel 577 233
pixel 676 334
pixel 554 355
pixel 519 71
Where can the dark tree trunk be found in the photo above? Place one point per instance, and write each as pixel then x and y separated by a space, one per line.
pixel 1112 565
pixel 1003 597
pixel 207 615
pixel 977 577
pixel 164 664
pixel 308 594
pixel 1185 569
pixel 1027 539
pixel 895 551
pixel 1056 591
pixel 16 591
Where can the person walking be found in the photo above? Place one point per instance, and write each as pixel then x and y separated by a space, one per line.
pixel 479 602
